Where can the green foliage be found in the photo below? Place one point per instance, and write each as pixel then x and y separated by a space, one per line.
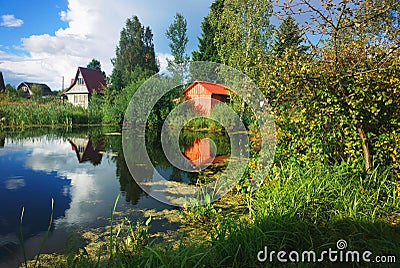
pixel 288 37
pixel 11 94
pixel 94 64
pixel 176 33
pixel 243 33
pixel 336 110
pixel 298 208
pixel 135 50
pixel 340 102
pixel 207 48
pixel 201 213
pixel 229 121
pixel 115 105
pixel 37 92
pixel 95 108
pixel 135 62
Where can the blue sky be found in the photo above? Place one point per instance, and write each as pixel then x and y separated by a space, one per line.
pixel 44 40
pixel 20 19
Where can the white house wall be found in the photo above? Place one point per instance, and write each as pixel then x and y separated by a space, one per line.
pixel 78 89
pixel 78 95
pixel 79 99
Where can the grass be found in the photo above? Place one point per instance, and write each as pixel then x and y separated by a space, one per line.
pixel 299 207
pixel 44 112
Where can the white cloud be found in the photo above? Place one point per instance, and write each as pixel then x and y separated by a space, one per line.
pixel 10 20
pixel 162 60
pixel 64 16
pixel 14 183
pixel 93 32
pixel 91 189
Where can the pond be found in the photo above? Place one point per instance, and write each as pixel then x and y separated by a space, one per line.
pixel 83 170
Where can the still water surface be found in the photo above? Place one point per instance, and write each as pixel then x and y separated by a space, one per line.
pixel 83 170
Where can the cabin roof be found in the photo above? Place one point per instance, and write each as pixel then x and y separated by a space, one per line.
pixel 212 87
pixel 45 88
pixel 94 79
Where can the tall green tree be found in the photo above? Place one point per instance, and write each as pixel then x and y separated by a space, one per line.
pixel 177 35
pixel 242 40
pixel 207 50
pixel 288 37
pixel 135 50
pixel 243 33
pixel 94 64
pixel 343 102
pixel 150 61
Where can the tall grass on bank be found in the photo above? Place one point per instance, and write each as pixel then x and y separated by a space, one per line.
pixel 299 208
pixel 45 112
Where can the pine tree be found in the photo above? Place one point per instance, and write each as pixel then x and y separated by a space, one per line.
pixel 207 48
pixel 288 36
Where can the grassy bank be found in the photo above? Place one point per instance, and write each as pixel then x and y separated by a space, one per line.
pixel 44 112
pixel 298 208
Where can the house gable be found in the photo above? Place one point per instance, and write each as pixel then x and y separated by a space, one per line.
pixel 78 85
pixel 86 81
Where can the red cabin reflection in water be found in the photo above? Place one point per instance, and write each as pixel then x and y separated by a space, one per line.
pixel 202 154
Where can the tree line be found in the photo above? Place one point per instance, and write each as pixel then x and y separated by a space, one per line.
pixel 332 78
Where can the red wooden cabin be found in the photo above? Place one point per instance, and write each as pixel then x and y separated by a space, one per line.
pixel 205 95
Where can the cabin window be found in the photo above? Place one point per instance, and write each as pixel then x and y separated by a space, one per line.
pixel 80 81
pixel 79 98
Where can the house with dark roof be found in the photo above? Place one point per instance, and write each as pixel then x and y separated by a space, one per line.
pixel 26 87
pixel 205 95
pixel 2 85
pixel 86 82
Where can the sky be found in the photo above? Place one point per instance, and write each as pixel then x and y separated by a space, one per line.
pixel 45 40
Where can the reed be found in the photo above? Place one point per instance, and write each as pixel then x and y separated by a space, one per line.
pixel 36 263
pixel 51 112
